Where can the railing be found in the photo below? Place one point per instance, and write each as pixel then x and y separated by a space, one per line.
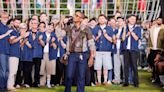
pixel 127 7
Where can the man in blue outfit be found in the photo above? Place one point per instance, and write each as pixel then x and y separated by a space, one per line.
pixel 4 49
pixel 130 38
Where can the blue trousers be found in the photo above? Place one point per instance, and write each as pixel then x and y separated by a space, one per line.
pixel 4 70
pixel 75 62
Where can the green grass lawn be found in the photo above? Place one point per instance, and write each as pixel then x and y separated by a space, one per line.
pixel 145 86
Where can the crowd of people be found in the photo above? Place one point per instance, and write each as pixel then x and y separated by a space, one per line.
pixel 75 50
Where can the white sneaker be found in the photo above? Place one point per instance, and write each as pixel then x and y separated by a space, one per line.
pixel 52 85
pixel 92 84
pixel 153 81
pixel 145 68
pixel 26 86
pixel 18 86
pixel 49 86
pixel 149 69
pixel 139 68
pixel 109 82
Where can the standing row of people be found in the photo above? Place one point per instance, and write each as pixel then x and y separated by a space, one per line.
pixel 69 50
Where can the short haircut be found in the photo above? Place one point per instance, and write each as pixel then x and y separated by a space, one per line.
pixel 51 24
pixel 102 15
pixel 17 18
pixel 120 18
pixel 93 19
pixel 4 13
pixel 43 13
pixel 132 15
pixel 9 21
pixel 82 14
pixel 42 23
pixel 118 12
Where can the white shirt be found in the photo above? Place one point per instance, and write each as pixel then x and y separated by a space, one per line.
pixel 155 37
pixel 46 48
pixel 58 54
pixel 102 26
pixel 118 38
pixel 129 38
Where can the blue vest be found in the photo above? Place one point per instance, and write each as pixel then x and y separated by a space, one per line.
pixel 37 48
pixel 61 49
pixel 15 48
pixel 52 51
pixel 133 42
pixel 26 52
pixel 103 44
pixel 4 43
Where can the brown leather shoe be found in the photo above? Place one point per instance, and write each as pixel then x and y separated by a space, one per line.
pixel 98 84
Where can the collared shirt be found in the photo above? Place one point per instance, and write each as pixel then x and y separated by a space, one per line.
pixel 102 26
pixel 118 35
pixel 4 43
pixel 118 47
pixel 46 48
pixel 84 39
pixel 129 38
pixel 103 44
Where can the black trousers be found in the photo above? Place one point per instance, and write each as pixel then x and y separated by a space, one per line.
pixel 151 58
pixel 59 71
pixel 27 68
pixel 90 76
pixel 37 64
pixel 19 75
pixel 130 60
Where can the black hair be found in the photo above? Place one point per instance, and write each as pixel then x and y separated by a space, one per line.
pixel 132 15
pixel 17 18
pixel 43 13
pixel 93 19
pixel 120 18
pixel 82 14
pixel 9 21
pixel 51 24
pixel 42 23
pixel 102 15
